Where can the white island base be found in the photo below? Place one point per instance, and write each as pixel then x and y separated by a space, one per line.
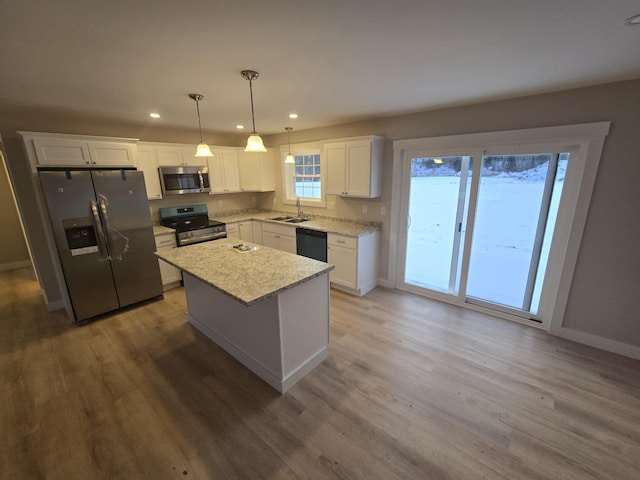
pixel 280 339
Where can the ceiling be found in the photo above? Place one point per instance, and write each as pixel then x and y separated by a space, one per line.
pixel 330 61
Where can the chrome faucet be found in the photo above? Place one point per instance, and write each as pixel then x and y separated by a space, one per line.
pixel 298 205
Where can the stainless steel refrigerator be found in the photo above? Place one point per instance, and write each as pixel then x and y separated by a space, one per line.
pixel 104 238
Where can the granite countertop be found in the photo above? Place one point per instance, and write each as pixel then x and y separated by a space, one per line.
pixel 323 224
pixel 247 277
pixel 160 230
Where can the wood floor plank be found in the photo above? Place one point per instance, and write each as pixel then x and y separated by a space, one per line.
pixel 412 389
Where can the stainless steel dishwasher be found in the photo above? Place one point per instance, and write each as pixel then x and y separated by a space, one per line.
pixel 311 243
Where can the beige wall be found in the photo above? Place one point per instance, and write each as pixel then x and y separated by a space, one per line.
pixel 608 267
pixel 607 274
pixel 14 249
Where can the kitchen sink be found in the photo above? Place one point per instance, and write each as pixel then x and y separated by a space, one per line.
pixel 289 219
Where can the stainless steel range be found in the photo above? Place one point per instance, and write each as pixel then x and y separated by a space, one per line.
pixel 192 224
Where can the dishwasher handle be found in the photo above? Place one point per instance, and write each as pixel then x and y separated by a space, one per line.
pixel 310 233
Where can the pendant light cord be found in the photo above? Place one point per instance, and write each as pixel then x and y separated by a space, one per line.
pixel 199 124
pixel 253 115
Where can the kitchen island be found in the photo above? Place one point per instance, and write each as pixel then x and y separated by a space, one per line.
pixel 267 308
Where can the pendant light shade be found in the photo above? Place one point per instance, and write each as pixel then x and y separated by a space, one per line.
pixel 202 150
pixel 289 158
pixel 254 142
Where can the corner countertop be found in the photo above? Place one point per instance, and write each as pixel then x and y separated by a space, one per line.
pixel 160 230
pixel 347 228
pixel 246 277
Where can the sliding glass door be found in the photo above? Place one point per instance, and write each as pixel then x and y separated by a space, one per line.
pixel 508 202
pixel 439 188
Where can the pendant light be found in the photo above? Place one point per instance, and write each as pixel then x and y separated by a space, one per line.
pixel 202 150
pixel 289 158
pixel 254 142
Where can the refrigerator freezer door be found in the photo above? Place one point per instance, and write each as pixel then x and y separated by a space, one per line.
pixel 88 276
pixel 124 210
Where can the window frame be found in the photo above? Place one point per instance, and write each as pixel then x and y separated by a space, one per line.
pixel 299 149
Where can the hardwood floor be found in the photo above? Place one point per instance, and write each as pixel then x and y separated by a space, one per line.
pixel 412 389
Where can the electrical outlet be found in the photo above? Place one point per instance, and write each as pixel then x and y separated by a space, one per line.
pixel 331 205
pixel 253 199
pixel 383 210
pixel 220 203
pixel 364 208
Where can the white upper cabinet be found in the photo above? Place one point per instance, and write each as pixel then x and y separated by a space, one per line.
pixel 112 154
pixel 336 168
pixel 224 174
pixel 54 152
pixel 59 150
pixel 179 155
pixel 354 167
pixel 147 162
pixel 257 171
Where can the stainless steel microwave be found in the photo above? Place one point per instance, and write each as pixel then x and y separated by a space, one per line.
pixel 180 180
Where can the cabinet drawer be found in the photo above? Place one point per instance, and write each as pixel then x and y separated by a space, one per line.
pixel 341 241
pixel 166 241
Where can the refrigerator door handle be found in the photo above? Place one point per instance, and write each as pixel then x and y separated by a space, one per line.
pixel 97 224
pixel 104 216
pixel 117 243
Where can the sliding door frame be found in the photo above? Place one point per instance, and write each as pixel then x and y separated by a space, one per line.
pixel 585 142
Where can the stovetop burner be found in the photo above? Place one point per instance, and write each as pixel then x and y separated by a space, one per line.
pixel 192 224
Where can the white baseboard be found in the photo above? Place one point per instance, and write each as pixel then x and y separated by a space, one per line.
pixel 14 265
pixel 602 343
pixel 384 282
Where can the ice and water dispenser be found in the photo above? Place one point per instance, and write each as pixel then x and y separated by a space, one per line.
pixel 80 234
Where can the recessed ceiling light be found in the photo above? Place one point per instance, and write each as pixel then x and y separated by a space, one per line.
pixel 293 115
pixel 154 115
pixel 239 127
pixel 635 20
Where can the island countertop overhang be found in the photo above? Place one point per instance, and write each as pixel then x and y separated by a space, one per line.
pixel 247 277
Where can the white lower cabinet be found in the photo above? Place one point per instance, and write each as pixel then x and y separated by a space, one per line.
pixel 280 237
pixel 171 276
pixel 257 231
pixel 355 260
pixel 246 231
pixel 345 258
pixel 241 230
pixel 232 230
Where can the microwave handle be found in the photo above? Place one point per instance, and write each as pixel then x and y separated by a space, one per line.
pixel 201 181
